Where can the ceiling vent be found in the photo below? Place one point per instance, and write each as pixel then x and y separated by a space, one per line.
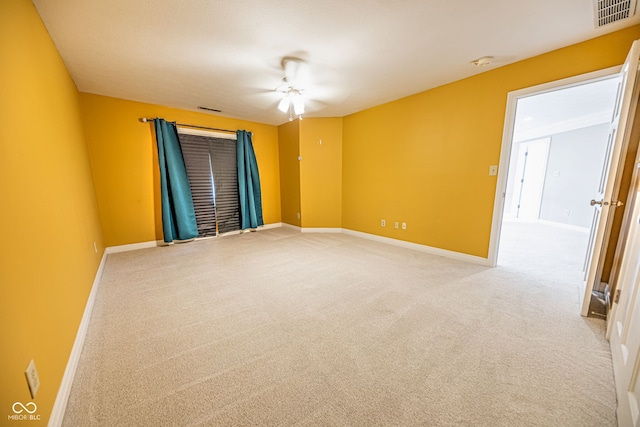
pixel 610 11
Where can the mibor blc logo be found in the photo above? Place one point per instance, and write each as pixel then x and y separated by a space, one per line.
pixel 24 412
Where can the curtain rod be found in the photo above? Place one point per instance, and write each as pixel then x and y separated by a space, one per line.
pixel 146 120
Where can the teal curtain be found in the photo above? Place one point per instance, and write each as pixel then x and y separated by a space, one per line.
pixel 178 215
pixel 248 183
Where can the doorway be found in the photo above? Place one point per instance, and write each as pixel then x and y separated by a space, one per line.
pixel 556 146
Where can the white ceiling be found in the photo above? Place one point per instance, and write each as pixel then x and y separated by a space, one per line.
pixel 565 109
pixel 361 53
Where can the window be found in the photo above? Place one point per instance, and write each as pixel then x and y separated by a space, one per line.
pixel 212 168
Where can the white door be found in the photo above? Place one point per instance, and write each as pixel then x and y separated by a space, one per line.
pixel 625 322
pixel 611 171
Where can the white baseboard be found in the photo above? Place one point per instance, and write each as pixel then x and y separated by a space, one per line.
pixel 402 243
pixel 153 244
pixel 133 247
pixel 415 246
pixel 418 247
pixel 60 405
pixel 290 226
pixel 321 230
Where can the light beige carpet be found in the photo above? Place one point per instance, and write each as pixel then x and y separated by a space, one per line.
pixel 544 250
pixel 279 328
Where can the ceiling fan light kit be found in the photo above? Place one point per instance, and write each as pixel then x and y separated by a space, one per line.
pixel 284 104
pixel 298 104
pixel 294 74
pixel 293 102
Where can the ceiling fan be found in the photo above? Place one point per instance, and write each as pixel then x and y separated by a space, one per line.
pixel 296 77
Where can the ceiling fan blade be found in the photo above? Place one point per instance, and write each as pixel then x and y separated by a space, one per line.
pixel 328 94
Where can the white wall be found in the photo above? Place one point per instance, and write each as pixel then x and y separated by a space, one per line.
pixel 572 176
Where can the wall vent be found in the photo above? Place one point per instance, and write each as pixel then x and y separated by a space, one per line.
pixel 610 11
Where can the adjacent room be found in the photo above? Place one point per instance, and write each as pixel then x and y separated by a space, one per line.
pixel 288 213
pixel 547 217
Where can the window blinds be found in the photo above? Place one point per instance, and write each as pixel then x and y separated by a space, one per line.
pixel 224 165
pixel 212 170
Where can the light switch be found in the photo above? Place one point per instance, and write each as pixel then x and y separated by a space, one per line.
pixel 493 170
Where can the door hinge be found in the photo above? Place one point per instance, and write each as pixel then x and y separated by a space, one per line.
pixel 617 298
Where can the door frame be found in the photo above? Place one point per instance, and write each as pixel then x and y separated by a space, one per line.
pixel 507 143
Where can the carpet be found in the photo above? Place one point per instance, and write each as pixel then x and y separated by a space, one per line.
pixel 282 328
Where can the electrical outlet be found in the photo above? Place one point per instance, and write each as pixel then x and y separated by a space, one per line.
pixel 95 247
pixel 404 225
pixel 397 225
pixel 298 215
pixel 32 378
pixel 383 223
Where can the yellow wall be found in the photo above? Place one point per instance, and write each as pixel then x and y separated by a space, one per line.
pixel 321 172
pixel 49 214
pixel 289 150
pixel 424 159
pixel 125 165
